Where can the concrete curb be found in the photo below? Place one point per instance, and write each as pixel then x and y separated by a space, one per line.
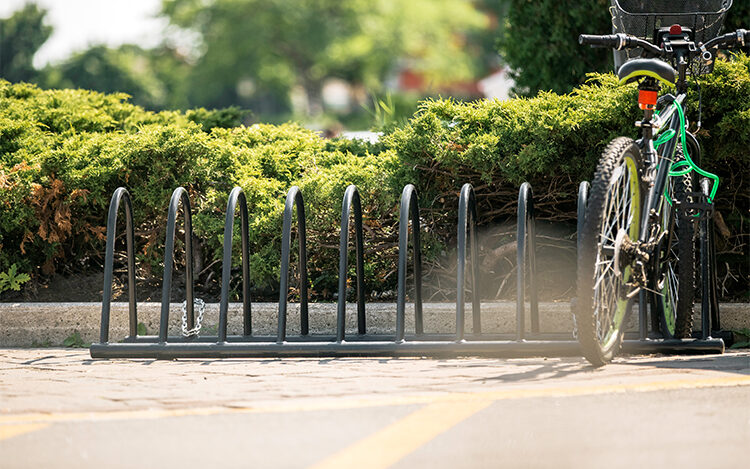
pixel 48 324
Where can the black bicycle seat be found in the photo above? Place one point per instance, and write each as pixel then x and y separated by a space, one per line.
pixel 634 69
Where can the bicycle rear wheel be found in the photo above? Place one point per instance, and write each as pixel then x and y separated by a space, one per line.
pixel 613 213
pixel 677 270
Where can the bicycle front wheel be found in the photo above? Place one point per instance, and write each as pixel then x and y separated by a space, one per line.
pixel 613 214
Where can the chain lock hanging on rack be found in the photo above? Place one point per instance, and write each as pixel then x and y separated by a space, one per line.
pixel 201 309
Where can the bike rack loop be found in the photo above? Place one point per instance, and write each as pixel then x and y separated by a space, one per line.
pixel 226 269
pixel 709 300
pixel 351 197
pixel 179 195
pixel 467 220
pixel 293 198
pixel 707 253
pixel 713 286
pixel 583 201
pixel 526 239
pixel 409 206
pixel 120 194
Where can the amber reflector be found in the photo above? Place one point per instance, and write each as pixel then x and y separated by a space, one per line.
pixel 647 99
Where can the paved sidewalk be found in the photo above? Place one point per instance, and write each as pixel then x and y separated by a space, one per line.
pixel 59 408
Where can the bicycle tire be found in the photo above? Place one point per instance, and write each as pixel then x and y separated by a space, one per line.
pixel 601 309
pixel 678 271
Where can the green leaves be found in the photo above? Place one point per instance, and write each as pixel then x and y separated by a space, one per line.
pixel 12 279
pixel 63 153
pixel 540 43
pixel 520 139
pixel 554 140
pixel 75 340
pixel 742 339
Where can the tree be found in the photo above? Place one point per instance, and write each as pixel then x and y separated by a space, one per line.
pixel 540 43
pixel 152 77
pixel 21 36
pixel 254 52
pixel 738 17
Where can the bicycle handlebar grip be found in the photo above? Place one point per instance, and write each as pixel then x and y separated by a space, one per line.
pixel 609 40
pixel 741 37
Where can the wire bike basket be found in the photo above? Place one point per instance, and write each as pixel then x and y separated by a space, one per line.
pixel 642 18
pixel 336 343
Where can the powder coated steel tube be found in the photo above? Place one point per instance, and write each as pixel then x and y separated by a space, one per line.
pixel 467 220
pixel 179 195
pixel 409 206
pixel 351 199
pixel 120 194
pixel 293 197
pixel 234 197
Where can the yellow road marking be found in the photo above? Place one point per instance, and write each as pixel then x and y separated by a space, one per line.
pixel 9 431
pixel 311 404
pixel 385 447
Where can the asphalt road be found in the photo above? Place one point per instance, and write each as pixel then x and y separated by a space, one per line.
pixel 59 408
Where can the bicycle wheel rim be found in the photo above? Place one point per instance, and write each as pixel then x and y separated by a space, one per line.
pixel 670 282
pixel 621 211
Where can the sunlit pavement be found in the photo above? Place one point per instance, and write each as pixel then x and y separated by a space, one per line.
pixel 59 408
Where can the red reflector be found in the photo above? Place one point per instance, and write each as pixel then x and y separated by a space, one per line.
pixel 647 99
pixel 675 29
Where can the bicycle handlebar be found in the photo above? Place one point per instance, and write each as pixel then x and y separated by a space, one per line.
pixel 623 41
pixel 741 37
pixel 609 40
pixel 618 41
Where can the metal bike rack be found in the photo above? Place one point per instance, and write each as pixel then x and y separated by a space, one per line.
pixel 522 343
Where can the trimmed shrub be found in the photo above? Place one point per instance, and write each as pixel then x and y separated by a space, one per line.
pixel 63 152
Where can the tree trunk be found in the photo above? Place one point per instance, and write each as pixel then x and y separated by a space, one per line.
pixel 314 92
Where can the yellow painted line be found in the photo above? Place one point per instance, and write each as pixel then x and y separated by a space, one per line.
pixel 311 404
pixel 144 414
pixel 9 431
pixel 385 447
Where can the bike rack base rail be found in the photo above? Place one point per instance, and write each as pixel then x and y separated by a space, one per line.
pixel 379 347
pixel 522 343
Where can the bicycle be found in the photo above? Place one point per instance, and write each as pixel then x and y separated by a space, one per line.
pixel 638 235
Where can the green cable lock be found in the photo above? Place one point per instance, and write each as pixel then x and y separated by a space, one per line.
pixel 691 166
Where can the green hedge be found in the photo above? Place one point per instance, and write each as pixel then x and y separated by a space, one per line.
pixel 63 152
pixel 561 136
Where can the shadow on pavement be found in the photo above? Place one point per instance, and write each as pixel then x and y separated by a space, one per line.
pixel 732 362
pixel 544 371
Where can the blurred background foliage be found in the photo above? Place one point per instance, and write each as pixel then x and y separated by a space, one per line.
pixel 279 58
pixel 332 64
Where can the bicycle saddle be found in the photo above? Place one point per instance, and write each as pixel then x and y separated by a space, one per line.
pixel 634 69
